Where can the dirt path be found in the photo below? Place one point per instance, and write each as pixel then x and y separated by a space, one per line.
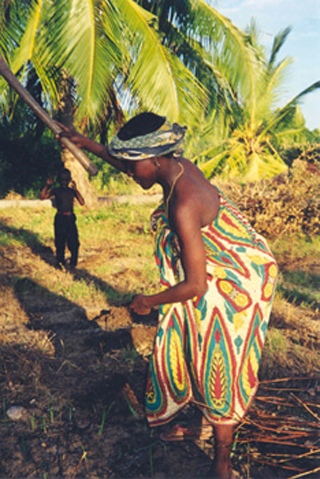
pixel 103 200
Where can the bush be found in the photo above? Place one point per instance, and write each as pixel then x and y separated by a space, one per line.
pixel 25 164
pixel 288 203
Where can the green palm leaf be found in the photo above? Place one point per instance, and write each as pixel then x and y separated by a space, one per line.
pixel 158 78
pixel 84 33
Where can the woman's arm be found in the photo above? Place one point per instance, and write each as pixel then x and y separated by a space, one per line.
pixel 90 145
pixel 186 223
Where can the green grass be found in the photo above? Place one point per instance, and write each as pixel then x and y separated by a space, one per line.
pixel 116 261
pixel 300 288
pixel 296 247
pixel 116 248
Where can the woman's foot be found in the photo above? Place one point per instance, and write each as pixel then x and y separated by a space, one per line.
pixel 180 433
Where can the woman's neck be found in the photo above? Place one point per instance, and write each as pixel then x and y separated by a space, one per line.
pixel 169 169
pixel 170 176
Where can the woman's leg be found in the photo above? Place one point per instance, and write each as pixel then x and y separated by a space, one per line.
pixel 221 467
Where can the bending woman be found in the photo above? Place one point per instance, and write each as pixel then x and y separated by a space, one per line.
pixel 218 279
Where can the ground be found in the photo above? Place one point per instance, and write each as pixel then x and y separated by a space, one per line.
pixel 77 371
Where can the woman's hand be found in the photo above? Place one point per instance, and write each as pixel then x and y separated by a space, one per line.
pixel 139 305
pixel 72 134
pixel 94 147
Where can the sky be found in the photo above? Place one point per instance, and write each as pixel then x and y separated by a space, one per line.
pixel 302 44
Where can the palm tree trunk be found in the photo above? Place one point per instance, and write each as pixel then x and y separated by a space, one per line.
pixel 80 176
pixel 66 116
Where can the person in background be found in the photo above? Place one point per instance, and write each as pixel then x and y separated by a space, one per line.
pixel 65 227
pixel 218 279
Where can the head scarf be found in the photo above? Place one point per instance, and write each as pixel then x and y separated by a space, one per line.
pixel 166 139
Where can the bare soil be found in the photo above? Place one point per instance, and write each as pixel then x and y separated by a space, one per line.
pixel 79 373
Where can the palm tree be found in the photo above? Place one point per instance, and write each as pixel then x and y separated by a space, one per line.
pixel 245 138
pixel 116 51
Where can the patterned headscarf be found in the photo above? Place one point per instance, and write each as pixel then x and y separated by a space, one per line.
pixel 166 139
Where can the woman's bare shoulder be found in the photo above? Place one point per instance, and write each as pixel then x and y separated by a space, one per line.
pixel 196 194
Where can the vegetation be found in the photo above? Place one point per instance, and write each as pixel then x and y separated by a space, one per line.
pixel 74 359
pixel 93 63
pixel 288 203
pixel 246 139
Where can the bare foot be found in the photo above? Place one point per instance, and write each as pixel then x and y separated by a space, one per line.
pixel 179 433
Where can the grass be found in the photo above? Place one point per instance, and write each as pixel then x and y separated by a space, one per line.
pixel 296 247
pixel 116 258
pixel 120 232
pixel 300 277
pixel 115 262
pixel 301 287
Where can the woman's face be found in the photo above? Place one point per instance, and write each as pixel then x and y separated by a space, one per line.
pixel 143 172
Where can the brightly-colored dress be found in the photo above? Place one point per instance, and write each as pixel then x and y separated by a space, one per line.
pixel 207 350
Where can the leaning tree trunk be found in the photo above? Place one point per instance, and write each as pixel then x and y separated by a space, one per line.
pixel 80 176
pixel 66 116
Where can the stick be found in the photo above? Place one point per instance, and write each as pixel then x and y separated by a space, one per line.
pixel 306 407
pixel 43 115
pixel 307 473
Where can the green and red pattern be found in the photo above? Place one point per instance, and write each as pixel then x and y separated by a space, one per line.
pixel 208 349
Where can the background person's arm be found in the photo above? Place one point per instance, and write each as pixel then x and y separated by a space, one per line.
pixel 46 192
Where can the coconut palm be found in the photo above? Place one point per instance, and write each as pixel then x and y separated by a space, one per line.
pixel 106 45
pixel 103 46
pixel 245 139
pixel 105 52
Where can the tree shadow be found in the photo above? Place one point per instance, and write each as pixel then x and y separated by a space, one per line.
pixel 73 335
pixel 33 240
pixel 76 395
pixel 300 296
pixel 113 296
pixel 85 352
pixel 84 386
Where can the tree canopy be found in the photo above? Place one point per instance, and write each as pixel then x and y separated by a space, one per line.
pixel 179 58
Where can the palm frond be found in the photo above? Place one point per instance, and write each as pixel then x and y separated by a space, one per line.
pixel 277 45
pixel 284 111
pixel 230 42
pixel 156 77
pixel 27 44
pixel 210 166
pixel 85 43
pixel 263 166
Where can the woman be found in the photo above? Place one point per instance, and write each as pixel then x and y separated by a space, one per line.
pixel 218 277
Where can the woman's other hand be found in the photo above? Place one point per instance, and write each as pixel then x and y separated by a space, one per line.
pixel 139 305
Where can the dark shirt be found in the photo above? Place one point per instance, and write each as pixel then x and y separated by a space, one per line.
pixel 64 199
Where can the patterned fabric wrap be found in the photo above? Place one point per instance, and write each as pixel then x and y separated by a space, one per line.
pixel 167 139
pixel 207 350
